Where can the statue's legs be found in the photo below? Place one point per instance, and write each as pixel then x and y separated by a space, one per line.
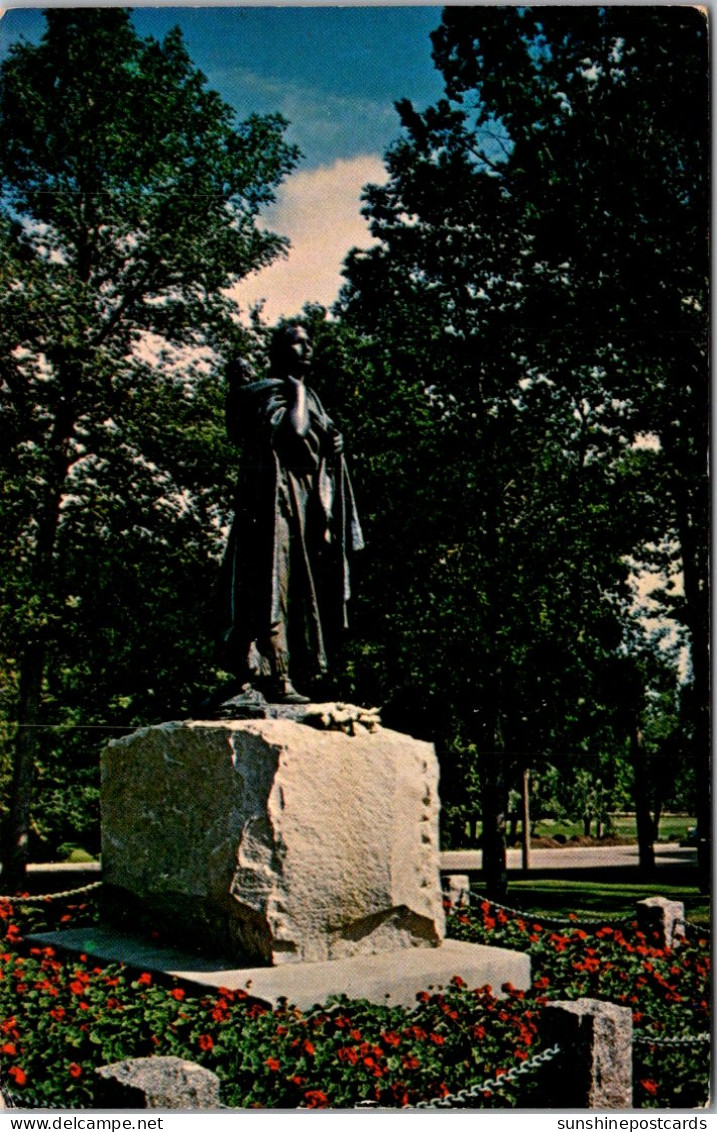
pixel 281 690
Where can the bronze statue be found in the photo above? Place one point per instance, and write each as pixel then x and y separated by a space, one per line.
pixel 286 566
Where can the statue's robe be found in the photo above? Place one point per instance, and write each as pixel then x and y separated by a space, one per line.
pixel 295 524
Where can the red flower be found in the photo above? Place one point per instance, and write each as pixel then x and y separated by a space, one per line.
pixel 411 1063
pixel 18 1075
pixel 649 1086
pixel 177 994
pixel 58 1013
pixel 315 1098
pixel 205 1042
pixel 348 1054
pixel 273 1063
pixel 13 933
pixel 457 981
pixel 77 987
pixel 437 1039
pixel 74 1069
pixel 145 979
pixel 308 1047
pixel 9 1049
pixel 391 1038
pixel 373 1066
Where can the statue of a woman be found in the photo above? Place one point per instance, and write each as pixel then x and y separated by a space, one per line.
pixel 286 566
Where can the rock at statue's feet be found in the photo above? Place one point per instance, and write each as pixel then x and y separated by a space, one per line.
pixel 250 703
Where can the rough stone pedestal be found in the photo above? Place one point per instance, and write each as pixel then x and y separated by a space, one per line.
pixel 273 842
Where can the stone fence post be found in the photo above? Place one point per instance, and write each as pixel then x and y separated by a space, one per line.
pixel 457 889
pixel 664 917
pixel 594 1067
pixel 156 1082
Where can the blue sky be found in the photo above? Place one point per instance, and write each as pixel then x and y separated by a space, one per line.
pixel 335 74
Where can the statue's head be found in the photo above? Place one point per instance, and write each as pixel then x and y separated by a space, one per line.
pixel 290 349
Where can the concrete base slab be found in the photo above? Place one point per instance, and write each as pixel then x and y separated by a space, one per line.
pixel 393 976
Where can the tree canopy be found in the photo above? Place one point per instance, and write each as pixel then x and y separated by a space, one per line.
pixel 536 305
pixel 519 363
pixel 130 201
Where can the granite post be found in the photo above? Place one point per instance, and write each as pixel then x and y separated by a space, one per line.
pixel 594 1066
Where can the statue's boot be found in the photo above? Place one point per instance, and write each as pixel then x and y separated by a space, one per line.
pixel 284 692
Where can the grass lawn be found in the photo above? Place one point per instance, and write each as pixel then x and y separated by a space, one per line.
pixel 593 898
pixel 672 827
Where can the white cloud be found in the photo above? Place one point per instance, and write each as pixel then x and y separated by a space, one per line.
pixel 319 210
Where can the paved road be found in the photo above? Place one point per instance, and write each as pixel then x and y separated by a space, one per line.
pixel 569 857
pixel 65 875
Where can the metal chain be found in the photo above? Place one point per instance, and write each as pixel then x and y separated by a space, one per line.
pixel 699 928
pixel 546 921
pixel 686 1039
pixel 15 899
pixel 494 1085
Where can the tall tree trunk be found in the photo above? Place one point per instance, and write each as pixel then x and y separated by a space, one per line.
pixel 27 743
pixel 494 796
pixel 645 824
pixel 692 511
pixel 16 827
pixel 526 819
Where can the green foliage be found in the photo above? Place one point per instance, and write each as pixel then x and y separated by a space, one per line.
pixel 667 990
pixel 129 209
pixel 525 412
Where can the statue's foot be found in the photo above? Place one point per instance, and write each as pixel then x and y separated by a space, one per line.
pixel 284 692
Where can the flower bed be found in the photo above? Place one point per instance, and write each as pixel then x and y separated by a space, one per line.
pixel 59 1019
pixel 668 990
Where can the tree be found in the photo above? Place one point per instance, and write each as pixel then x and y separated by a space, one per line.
pixel 129 206
pixel 547 184
pixel 604 115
